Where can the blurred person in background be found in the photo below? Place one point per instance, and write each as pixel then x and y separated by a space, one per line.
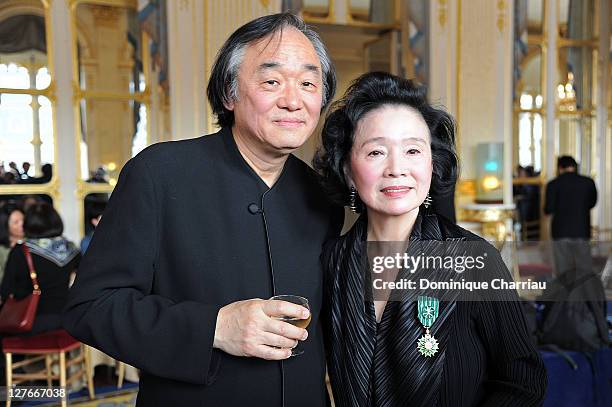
pixel 94 215
pixel 569 200
pixel 26 167
pixel 11 231
pixel 54 258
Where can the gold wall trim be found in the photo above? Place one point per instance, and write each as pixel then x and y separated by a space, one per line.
pixel 47 92
pixel 458 80
pixel 113 3
pixel 540 110
pixel 51 188
pixel 442 11
pixel 501 15
pixel 466 187
pixel 142 97
pixel 207 66
pixel 529 181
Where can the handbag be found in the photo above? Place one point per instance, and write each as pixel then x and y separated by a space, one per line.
pixel 17 316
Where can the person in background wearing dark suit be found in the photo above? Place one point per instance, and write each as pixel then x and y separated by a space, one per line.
pixel 569 199
pixel 199 233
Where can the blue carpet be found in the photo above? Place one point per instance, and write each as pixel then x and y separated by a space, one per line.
pixel 587 386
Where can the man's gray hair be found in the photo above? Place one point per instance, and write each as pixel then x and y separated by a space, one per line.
pixel 223 83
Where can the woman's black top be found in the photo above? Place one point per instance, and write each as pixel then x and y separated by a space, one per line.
pixel 486 356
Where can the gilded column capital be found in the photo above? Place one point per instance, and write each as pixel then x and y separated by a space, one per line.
pixel 442 10
pixel 501 15
pixel 107 16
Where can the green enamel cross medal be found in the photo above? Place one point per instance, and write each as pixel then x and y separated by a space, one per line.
pixel 427 308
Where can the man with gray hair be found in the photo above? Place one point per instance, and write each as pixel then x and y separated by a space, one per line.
pixel 176 278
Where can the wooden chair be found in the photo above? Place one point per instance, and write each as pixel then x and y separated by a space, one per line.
pixel 43 347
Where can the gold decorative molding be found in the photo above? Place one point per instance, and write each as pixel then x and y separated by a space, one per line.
pixel 466 188
pixel 442 10
pixel 133 4
pixel 501 15
pixel 265 3
pixel 106 16
pixel 51 188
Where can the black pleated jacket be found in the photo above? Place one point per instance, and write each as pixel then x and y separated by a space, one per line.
pixel 485 358
pixel 190 228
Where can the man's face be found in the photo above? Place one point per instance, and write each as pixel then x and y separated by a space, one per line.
pixel 280 91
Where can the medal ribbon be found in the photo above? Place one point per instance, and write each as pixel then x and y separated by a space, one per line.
pixel 427 310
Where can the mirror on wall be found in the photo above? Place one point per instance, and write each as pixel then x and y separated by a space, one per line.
pixel 577 19
pixel 575 88
pixel 111 79
pixel 530 75
pixel 106 145
pixel 576 136
pixel 108 48
pixel 530 17
pixel 26 108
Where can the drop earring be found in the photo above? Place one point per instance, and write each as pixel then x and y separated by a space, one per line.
pixel 427 202
pixel 353 199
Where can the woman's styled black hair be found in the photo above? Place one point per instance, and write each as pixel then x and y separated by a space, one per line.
pixel 223 84
pixel 369 92
pixel 41 221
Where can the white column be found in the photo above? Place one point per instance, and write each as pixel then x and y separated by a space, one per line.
pixel 603 215
pixel 503 114
pixel 551 123
pixel 64 117
pixel 187 68
pixel 36 142
pixel 443 54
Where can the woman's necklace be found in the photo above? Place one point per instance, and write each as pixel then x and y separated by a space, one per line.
pixel 427 308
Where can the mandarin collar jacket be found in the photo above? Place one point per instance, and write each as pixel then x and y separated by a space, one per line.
pixel 190 228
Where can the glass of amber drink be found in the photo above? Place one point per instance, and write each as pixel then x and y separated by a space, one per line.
pixel 299 322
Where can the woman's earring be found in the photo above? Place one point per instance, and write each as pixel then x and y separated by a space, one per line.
pixel 353 199
pixel 427 202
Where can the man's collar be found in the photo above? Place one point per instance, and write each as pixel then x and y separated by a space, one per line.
pixel 235 157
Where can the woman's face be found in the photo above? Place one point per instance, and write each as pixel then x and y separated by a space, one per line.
pixel 390 161
pixel 15 225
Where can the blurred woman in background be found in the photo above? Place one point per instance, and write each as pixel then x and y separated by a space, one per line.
pixel 11 231
pixel 54 258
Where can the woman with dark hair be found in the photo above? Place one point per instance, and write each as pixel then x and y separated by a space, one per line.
pixel 387 153
pixel 11 231
pixel 54 259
